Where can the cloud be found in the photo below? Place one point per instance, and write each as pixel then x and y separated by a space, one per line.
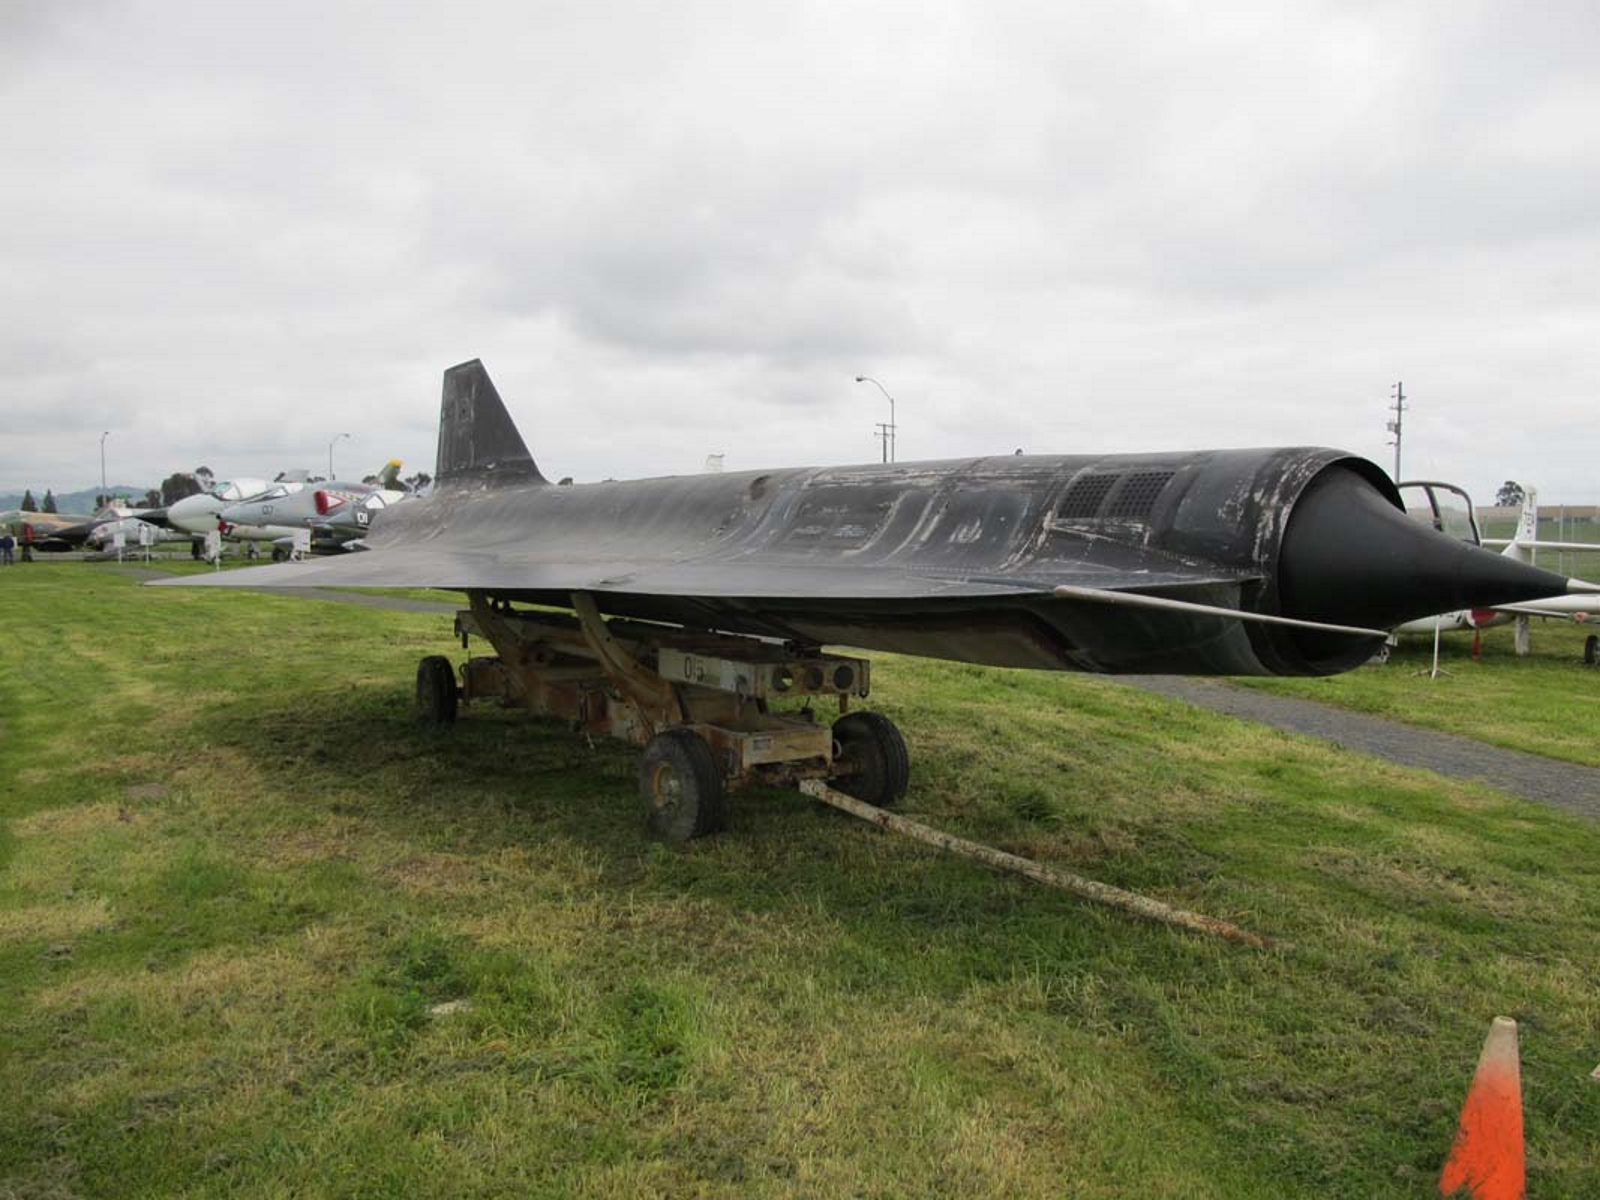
pixel 673 230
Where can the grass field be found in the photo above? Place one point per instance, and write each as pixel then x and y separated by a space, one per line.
pixel 262 936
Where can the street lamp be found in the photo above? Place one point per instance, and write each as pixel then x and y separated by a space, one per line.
pixel 330 455
pixel 103 438
pixel 889 429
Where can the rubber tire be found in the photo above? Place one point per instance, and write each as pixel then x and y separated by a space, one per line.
pixel 684 794
pixel 279 554
pixel 1591 649
pixel 436 691
pixel 870 743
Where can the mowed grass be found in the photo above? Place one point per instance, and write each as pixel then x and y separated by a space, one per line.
pixel 260 935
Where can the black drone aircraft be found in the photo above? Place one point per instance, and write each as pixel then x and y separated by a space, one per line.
pixel 723 589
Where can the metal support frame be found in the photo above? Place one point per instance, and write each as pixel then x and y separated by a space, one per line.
pixel 632 680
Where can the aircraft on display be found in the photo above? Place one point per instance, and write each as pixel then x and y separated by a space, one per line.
pixel 1449 509
pixel 42 522
pixel 346 519
pixel 79 532
pixel 335 512
pixel 197 514
pixel 285 484
pixel 34 528
pixel 135 531
pixel 699 604
pixel 202 514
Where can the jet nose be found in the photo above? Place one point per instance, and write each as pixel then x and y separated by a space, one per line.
pixel 1350 557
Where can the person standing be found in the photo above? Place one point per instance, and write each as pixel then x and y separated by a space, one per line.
pixel 7 545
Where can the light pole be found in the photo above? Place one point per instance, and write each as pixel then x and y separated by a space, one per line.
pixel 888 430
pixel 330 455
pixel 103 438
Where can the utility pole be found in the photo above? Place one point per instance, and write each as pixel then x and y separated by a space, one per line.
pixel 886 430
pixel 103 438
pixel 1399 407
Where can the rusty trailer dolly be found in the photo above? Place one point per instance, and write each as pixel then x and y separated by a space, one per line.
pixel 699 704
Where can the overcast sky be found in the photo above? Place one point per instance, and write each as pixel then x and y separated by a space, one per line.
pixel 232 232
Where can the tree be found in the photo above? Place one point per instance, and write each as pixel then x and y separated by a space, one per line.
pixel 49 504
pixel 418 481
pixel 27 501
pixel 152 499
pixel 205 478
pixel 178 485
pixel 1510 494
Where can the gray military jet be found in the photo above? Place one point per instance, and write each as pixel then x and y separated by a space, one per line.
pixel 701 605
pixel 336 512
pixel 197 514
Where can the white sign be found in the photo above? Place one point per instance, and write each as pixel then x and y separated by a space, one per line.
pixel 301 543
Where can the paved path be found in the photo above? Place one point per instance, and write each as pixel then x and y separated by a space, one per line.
pixel 1532 776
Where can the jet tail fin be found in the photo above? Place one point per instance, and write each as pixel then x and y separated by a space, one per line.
pixel 1528 524
pixel 478 442
pixel 1527 532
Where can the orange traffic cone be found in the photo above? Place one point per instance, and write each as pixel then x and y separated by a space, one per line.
pixel 1486 1163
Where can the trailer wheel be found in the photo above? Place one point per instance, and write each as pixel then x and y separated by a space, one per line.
pixel 683 789
pixel 436 690
pixel 1591 649
pixel 279 554
pixel 876 764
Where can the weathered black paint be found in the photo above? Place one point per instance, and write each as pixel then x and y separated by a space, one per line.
pixel 952 559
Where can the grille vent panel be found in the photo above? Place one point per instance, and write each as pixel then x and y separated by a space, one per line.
pixel 1137 495
pixel 1113 497
pixel 1084 497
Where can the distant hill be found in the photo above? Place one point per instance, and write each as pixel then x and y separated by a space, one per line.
pixel 73 502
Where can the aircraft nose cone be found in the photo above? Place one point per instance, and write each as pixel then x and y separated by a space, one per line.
pixel 1350 557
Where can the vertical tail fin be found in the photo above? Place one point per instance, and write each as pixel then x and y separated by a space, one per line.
pixel 1527 534
pixel 1528 527
pixel 478 442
